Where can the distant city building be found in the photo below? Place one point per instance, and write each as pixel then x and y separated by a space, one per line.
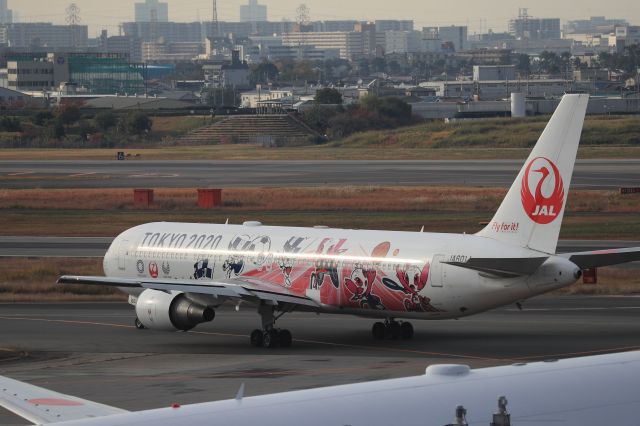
pixel 253 12
pixel 384 25
pixel 456 35
pixel 525 27
pixel 349 44
pixel 494 72
pixel 131 46
pixel 99 73
pixel 301 53
pixel 333 26
pixel 171 52
pixel 6 14
pixel 492 90
pixel 44 35
pixel 227 75
pixel 403 42
pixel 624 36
pixel 594 25
pixel 369 38
pixel 164 32
pixel 151 11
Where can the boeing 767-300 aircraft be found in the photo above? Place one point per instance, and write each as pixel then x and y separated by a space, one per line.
pixel 177 274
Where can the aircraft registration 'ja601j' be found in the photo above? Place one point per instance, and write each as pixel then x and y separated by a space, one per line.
pixel 178 273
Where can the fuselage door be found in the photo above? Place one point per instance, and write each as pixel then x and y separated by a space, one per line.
pixel 437 271
pixel 123 252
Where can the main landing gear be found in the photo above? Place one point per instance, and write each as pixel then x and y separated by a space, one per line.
pixel 392 329
pixel 270 336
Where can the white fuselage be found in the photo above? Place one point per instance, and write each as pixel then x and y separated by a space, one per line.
pixel 381 274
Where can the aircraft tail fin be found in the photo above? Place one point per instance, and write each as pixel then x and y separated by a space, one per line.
pixel 531 213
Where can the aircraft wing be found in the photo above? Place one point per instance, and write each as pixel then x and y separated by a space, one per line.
pixel 238 288
pixel 597 258
pixel 42 406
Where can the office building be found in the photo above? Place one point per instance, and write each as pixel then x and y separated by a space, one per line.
pixel 253 12
pixel 595 25
pixel 349 44
pixel 99 73
pixel 525 27
pixel 152 11
pixel 166 32
pixel 6 14
pixel 384 25
pixel 457 35
pixel 44 35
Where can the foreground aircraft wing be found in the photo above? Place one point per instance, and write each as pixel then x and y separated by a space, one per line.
pixel 590 391
pixel 597 258
pixel 245 288
pixel 42 406
pixel 502 267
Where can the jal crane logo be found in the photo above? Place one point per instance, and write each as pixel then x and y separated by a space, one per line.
pixel 543 202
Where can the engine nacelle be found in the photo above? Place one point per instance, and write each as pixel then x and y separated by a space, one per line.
pixel 158 310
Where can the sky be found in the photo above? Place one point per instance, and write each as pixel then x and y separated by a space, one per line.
pixel 476 14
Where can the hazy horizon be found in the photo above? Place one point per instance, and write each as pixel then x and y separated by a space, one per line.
pixel 477 15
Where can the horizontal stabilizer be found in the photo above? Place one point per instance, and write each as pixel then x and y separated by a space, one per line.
pixel 595 259
pixel 41 406
pixel 502 267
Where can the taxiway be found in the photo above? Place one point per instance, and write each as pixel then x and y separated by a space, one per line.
pixel 92 349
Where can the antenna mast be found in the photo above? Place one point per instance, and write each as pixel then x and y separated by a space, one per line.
pixel 216 28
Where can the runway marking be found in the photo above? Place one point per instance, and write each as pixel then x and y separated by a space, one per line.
pixel 68 321
pixel 20 173
pixel 573 309
pixel 82 174
pixel 145 175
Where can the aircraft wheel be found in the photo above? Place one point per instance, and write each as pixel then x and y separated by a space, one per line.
pixel 406 330
pixel 378 331
pixel 285 338
pixel 269 339
pixel 139 324
pixel 394 330
pixel 256 338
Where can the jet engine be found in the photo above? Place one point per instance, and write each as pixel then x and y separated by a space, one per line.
pixel 158 310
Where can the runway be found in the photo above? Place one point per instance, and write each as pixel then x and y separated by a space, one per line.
pixel 92 350
pixel 595 174
pixel 27 246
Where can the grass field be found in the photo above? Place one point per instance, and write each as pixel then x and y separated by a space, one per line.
pixel 316 152
pixel 603 137
pixel 34 280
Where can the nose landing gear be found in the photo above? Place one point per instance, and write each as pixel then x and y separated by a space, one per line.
pixel 392 329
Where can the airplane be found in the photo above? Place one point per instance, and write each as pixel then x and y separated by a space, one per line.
pixel 589 391
pixel 177 274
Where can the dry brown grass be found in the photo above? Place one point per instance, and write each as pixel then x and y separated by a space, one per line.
pixel 34 280
pixel 250 152
pixel 363 198
pixel 611 280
